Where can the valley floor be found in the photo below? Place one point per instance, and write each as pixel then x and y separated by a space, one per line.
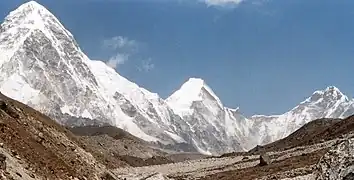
pixel 295 163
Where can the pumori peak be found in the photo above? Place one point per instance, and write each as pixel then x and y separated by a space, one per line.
pixel 27 19
pixel 33 43
pixel 30 5
pixel 30 14
pixel 193 90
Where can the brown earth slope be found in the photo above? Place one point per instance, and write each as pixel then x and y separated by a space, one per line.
pixel 113 143
pixel 338 129
pixel 111 131
pixel 50 150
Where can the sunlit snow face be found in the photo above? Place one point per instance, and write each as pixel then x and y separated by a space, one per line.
pixel 316 96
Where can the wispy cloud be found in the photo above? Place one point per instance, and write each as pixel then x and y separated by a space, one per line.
pixel 116 60
pixel 121 49
pixel 222 2
pixel 146 65
pixel 232 3
pixel 120 42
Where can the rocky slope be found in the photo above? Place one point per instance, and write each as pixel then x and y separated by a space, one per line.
pixel 36 147
pixel 113 144
pixel 337 163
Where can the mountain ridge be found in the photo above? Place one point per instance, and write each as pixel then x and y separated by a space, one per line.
pixel 33 44
pixel 329 102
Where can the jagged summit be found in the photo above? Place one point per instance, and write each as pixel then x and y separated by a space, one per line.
pixel 193 90
pixel 28 21
pixel 330 94
pixel 33 5
pixel 30 15
pixel 335 93
pixel 33 43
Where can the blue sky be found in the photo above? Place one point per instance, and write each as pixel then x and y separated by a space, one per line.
pixel 262 56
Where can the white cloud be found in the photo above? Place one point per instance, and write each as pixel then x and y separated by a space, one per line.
pixel 116 60
pixel 146 65
pixel 121 49
pixel 222 2
pixel 120 42
pixel 124 49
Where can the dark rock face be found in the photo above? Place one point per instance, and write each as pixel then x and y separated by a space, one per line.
pixel 337 163
pixel 2 162
pixel 8 109
pixel 264 160
pixel 350 176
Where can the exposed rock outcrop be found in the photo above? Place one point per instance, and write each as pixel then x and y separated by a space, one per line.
pixel 2 162
pixel 338 162
pixel 264 160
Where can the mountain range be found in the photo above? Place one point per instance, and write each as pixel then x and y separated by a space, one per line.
pixel 43 66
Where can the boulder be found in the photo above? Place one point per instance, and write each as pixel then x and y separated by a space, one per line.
pixel 264 160
pixel 8 109
pixel 2 162
pixel 3 105
pixel 245 158
pixel 337 163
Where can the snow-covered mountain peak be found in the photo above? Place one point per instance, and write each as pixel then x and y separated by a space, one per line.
pixel 33 43
pixel 30 15
pixel 30 5
pixel 193 90
pixel 334 93
pixel 27 20
pixel 326 103
pixel 214 128
pixel 329 94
